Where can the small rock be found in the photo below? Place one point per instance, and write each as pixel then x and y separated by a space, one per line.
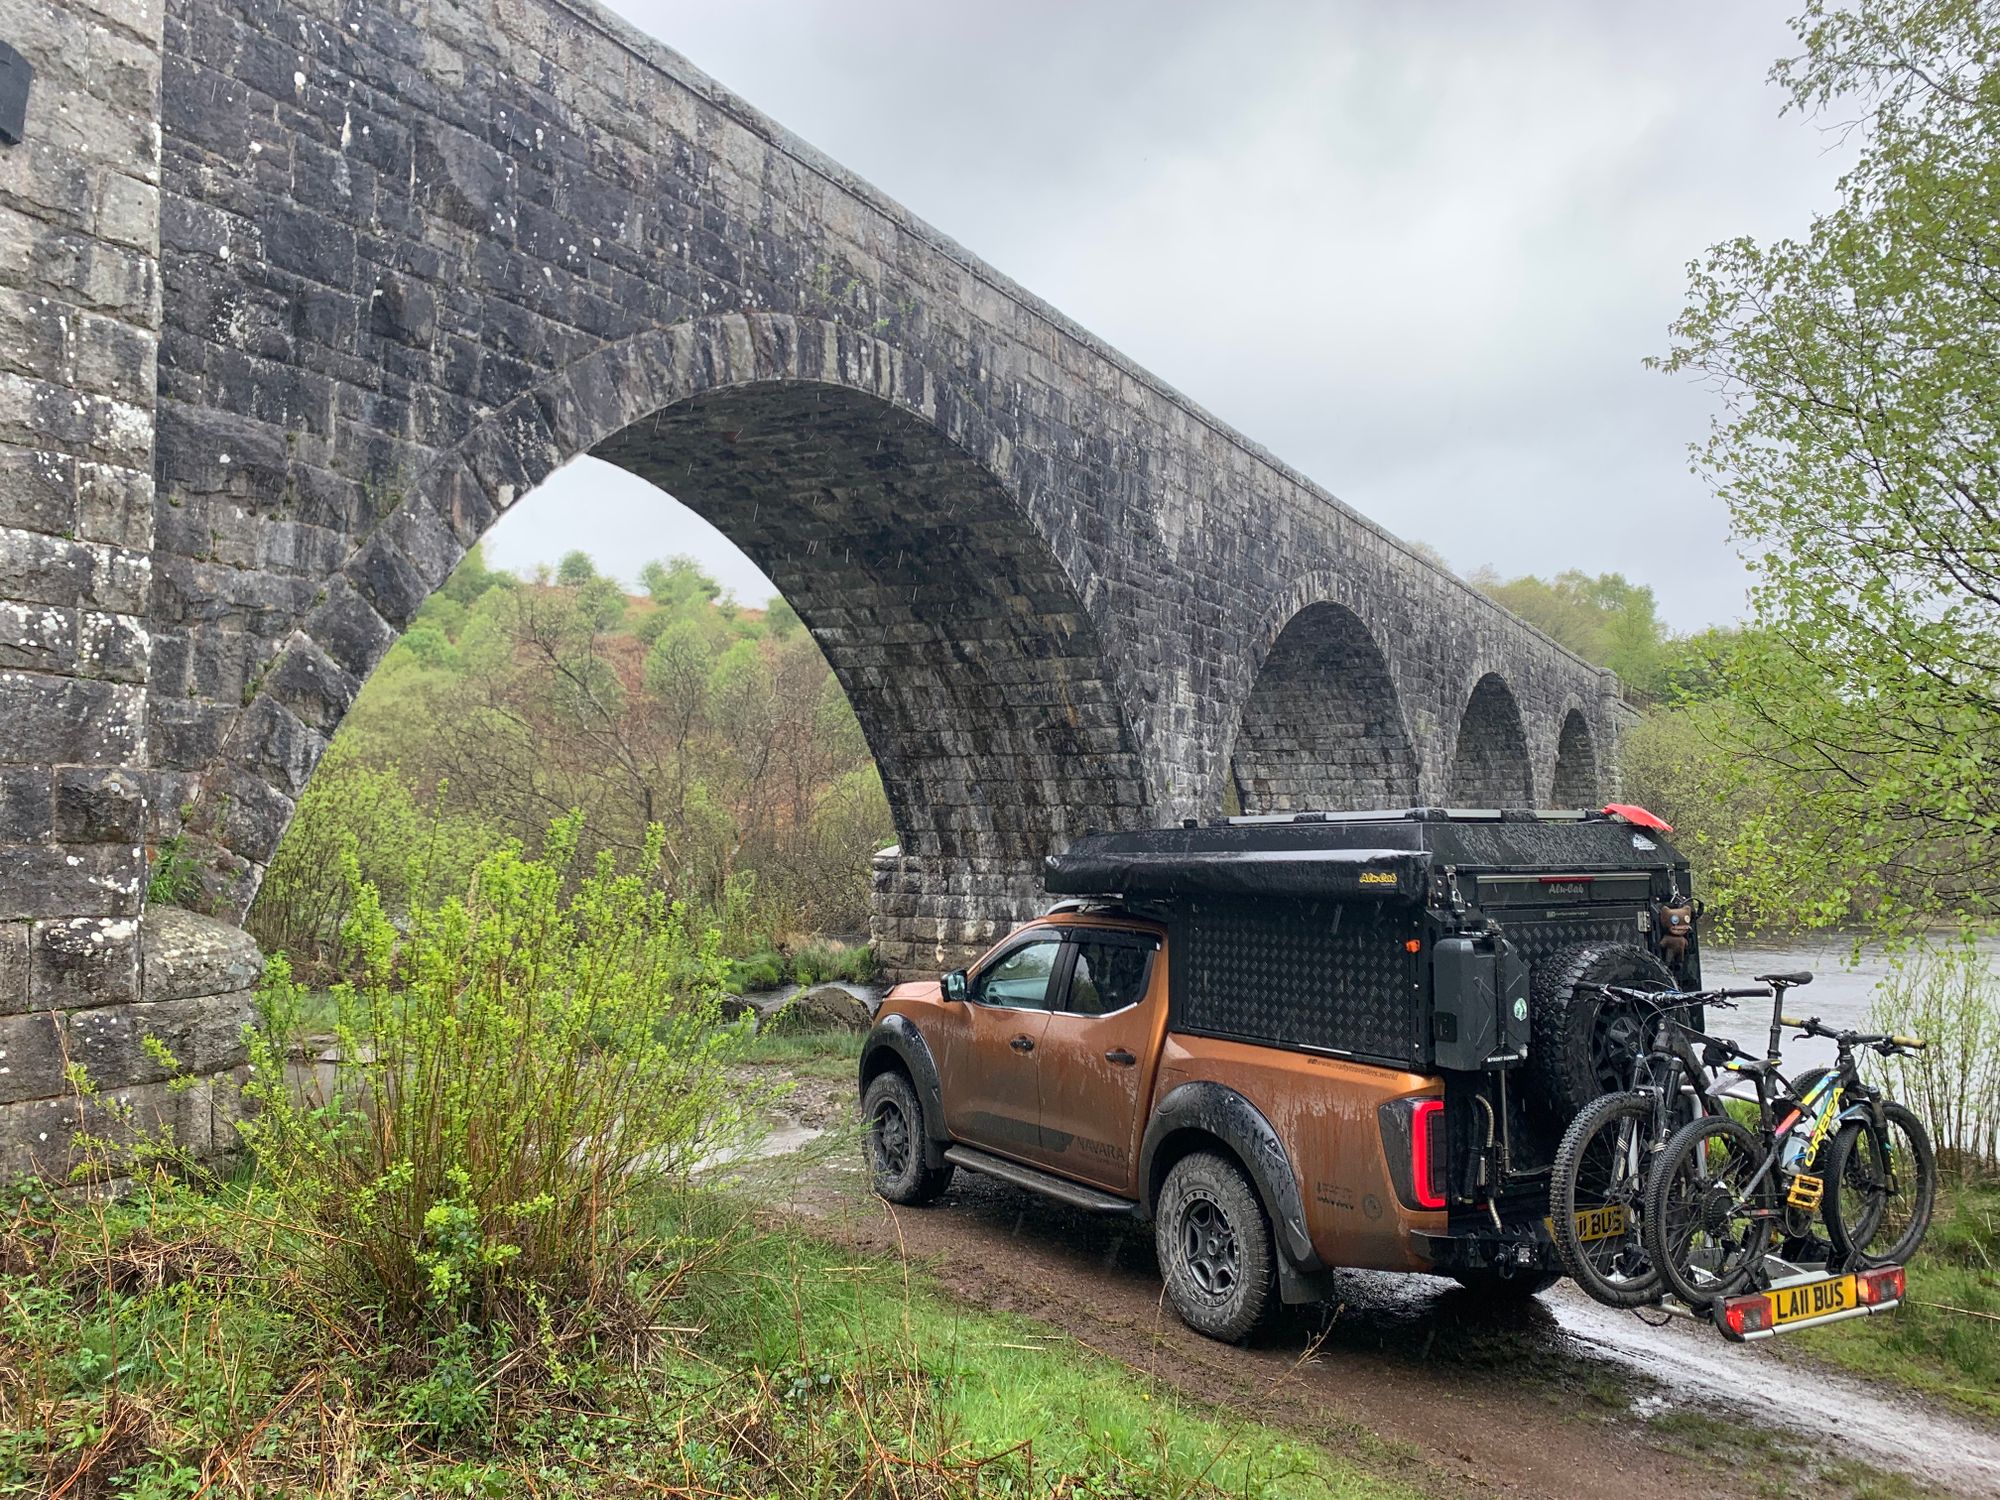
pixel 827 1008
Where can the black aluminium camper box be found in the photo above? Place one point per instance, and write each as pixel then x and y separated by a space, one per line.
pixel 1426 939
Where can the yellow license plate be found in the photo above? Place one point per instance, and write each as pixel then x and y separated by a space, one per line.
pixel 1599 1223
pixel 1812 1299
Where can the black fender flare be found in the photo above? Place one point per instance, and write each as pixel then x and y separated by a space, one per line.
pixel 1221 1112
pixel 897 1036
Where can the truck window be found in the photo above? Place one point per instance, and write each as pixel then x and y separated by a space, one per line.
pixel 1110 973
pixel 1020 978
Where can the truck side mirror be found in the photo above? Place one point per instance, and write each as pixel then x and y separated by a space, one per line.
pixel 956 985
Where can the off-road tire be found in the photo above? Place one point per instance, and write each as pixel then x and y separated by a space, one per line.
pixel 1565 1069
pixel 1215 1247
pixel 1595 1266
pixel 1853 1213
pixel 894 1142
pixel 1494 1290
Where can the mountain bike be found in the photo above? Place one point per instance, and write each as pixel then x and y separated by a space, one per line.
pixel 1834 1145
pixel 1598 1182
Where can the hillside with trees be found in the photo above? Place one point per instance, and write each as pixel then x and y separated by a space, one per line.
pixel 510 702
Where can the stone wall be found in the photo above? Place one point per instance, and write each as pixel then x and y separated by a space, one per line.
pixel 199 977
pixel 1323 727
pixel 418 258
pixel 79 334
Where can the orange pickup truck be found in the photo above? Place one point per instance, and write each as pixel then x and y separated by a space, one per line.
pixel 1294 1043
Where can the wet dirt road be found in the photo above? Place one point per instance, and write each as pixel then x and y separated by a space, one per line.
pixel 1412 1376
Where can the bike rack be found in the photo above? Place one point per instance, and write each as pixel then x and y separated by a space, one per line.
pixel 1776 1274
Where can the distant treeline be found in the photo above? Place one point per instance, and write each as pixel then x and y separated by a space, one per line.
pixel 510 701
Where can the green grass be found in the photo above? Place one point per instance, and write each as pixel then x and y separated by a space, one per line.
pixel 1001 1382
pixel 824 959
pixel 818 1054
pixel 1945 1338
pixel 169 1342
pixel 816 961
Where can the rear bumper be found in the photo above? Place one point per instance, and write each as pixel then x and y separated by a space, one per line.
pixel 1519 1249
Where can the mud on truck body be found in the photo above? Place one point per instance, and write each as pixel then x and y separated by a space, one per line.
pixel 1295 1042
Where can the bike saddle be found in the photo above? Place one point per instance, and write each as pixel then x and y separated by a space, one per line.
pixel 1802 976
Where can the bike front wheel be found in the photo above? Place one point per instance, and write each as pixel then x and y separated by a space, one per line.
pixel 1881 1183
pixel 1596 1200
pixel 1706 1228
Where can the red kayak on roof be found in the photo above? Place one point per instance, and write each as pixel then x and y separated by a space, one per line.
pixel 1632 813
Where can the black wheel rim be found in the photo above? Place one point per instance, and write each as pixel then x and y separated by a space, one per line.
pixel 1879 1190
pixel 1208 1248
pixel 892 1143
pixel 1617 1041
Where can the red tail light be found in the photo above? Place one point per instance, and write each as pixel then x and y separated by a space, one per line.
pixel 1872 1288
pixel 1746 1315
pixel 1427 1152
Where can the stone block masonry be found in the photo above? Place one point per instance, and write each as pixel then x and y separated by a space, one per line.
pixel 300 296
pixel 79 350
pixel 198 981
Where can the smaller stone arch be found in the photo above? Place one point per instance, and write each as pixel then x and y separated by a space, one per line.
pixel 1323 725
pixel 1575 783
pixel 1489 763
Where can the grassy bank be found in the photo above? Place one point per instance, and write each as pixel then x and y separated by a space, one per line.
pixel 168 1346
pixel 1945 1339
pixel 814 1054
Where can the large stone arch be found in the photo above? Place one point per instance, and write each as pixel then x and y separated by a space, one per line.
pixel 374 271
pixel 1575 782
pixel 1323 724
pixel 875 500
pixel 1489 763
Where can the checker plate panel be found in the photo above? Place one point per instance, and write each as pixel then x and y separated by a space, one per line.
pixel 1328 975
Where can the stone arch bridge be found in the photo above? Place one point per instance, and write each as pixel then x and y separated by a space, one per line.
pixel 301 295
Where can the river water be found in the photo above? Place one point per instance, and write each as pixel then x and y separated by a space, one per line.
pixel 1842 990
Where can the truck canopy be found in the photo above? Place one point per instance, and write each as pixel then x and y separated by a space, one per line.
pixel 1370 856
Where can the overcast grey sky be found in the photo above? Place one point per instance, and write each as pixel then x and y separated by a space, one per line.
pixel 1416 249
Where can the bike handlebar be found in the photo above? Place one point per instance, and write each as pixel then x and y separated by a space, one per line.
pixel 1676 999
pixel 1881 1041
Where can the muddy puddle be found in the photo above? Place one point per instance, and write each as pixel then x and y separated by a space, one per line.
pixel 1896 1430
pixel 1678 1365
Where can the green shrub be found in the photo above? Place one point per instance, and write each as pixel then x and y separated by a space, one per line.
pixel 366 814
pixel 762 970
pixel 819 962
pixel 1948 995
pixel 515 1069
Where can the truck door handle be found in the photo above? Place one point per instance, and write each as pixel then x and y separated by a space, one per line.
pixel 1023 1044
pixel 1120 1056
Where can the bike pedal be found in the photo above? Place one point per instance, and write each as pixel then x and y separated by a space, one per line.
pixel 1805 1191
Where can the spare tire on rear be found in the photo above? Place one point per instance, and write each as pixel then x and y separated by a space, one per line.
pixel 1584 1042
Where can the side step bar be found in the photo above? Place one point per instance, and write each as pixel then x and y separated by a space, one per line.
pixel 1036 1181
